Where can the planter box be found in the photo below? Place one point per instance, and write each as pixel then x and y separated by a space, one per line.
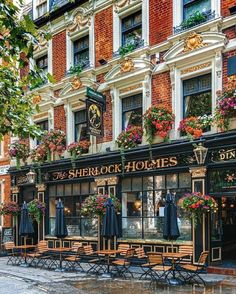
pixel 157 139
pixel 232 123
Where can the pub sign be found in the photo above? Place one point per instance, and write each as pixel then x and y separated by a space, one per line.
pixel 94 118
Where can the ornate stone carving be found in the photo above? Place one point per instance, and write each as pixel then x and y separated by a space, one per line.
pixel 127 65
pixel 37 99
pixel 193 41
pixel 80 21
pixel 131 88
pixel 195 68
pixel 76 83
pixel 41 187
pixel 100 181
pixel 121 3
pixel 106 181
pixel 112 181
pixel 42 43
pixel 198 171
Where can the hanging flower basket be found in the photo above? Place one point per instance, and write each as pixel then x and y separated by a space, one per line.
pixel 19 150
pixel 130 137
pixel 193 127
pixel 36 209
pixel 9 208
pixel 77 148
pixel 196 204
pixel 158 121
pixel 94 205
pixel 39 154
pixel 226 106
pixel 55 142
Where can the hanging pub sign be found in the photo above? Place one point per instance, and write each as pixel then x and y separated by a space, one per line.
pixel 94 118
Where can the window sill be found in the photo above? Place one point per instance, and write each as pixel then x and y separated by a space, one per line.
pixel 206 26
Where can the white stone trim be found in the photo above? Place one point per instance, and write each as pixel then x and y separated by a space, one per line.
pixel 2 155
pixel 2 197
pixel 178 10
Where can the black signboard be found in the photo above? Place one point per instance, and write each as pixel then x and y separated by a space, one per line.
pixel 94 118
pixel 96 96
pixel 7 234
pixel 222 180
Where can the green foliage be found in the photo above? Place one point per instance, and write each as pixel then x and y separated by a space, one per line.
pixel 123 50
pixel 76 69
pixel 195 19
pixel 17 41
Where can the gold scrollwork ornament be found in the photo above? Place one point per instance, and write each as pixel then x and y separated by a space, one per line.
pixel 76 83
pixel 127 65
pixel 192 42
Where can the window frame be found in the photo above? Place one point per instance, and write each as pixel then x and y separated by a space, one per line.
pixel 131 29
pixel 197 78
pixel 79 123
pixel 132 109
pixel 190 3
pixel 42 57
pixel 82 49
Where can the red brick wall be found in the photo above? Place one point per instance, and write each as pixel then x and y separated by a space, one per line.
pixel 59 55
pixel 103 35
pixel 160 20
pixel 230 32
pixel 6 197
pixel 225 58
pixel 107 120
pixel 60 118
pixel 161 90
pixel 225 5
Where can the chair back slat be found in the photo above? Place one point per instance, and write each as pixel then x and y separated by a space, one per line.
pixel 42 246
pixel 75 246
pixel 130 253
pixel 203 257
pixel 156 258
pixel 123 248
pixel 9 245
pixel 88 249
pixel 140 252
pixel 186 249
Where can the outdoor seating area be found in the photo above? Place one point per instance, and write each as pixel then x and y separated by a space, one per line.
pixel 124 262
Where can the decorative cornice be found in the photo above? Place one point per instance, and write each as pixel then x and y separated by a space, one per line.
pixel 195 68
pixel 81 19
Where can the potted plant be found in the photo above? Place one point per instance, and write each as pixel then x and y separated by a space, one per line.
pixel 36 209
pixel 77 148
pixel 55 143
pixel 193 127
pixel 9 208
pixel 196 204
pixel 225 112
pixel 158 122
pixel 19 150
pixel 94 205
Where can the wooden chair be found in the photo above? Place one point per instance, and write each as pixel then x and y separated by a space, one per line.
pixel 73 261
pixel 188 250
pixel 14 256
pixel 40 255
pixel 155 267
pixel 94 260
pixel 123 248
pixel 75 246
pixel 193 271
pixel 122 265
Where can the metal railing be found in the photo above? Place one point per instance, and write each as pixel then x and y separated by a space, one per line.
pixel 191 22
pixel 135 44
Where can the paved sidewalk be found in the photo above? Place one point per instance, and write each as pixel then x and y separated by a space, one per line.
pixel 16 279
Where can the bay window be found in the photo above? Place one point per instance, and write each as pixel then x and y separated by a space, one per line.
pixel 143 201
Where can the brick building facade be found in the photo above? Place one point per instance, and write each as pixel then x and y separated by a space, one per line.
pixel 167 64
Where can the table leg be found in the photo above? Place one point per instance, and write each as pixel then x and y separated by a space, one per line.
pixel 108 264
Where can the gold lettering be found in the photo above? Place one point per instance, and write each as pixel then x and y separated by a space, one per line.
pixel 71 174
pixel 117 168
pixel 222 155
pixel 85 172
pixel 232 154
pixel 130 166
pixel 164 162
pixel 173 161
pixel 140 165
pixel 104 170
pixel 111 169
pixel 157 163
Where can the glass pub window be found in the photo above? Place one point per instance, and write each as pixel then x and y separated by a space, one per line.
pixel 197 98
pixel 192 6
pixel 81 50
pixel 132 111
pixel 132 28
pixel 80 126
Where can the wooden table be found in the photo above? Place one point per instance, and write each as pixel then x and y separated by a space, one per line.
pixel 60 250
pixel 175 257
pixel 108 253
pixel 25 247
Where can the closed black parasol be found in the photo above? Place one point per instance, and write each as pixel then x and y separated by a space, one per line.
pixel 170 228
pixel 26 226
pixel 110 224
pixel 60 223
